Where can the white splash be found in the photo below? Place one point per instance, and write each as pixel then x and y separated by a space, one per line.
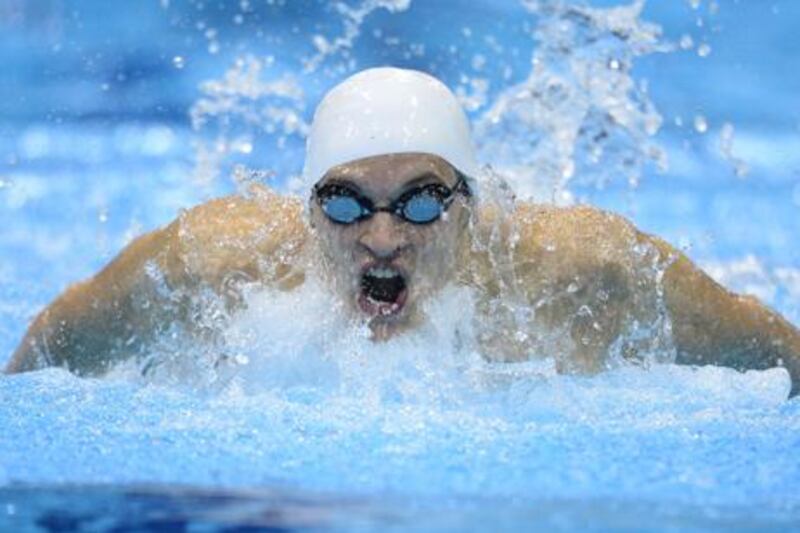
pixel 245 102
pixel 322 348
pixel 352 19
pixel 579 112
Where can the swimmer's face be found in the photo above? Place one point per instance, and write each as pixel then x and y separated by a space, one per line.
pixel 382 265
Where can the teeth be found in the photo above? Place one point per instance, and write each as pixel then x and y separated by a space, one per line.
pixel 383 273
pixel 388 310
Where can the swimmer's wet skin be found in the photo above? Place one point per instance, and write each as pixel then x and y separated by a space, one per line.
pixel 393 221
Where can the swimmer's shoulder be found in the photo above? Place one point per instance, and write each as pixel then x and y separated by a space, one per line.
pixel 255 236
pixel 110 316
pixel 261 216
pixel 544 247
pixel 582 234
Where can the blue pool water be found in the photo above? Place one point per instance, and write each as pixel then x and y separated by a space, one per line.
pixel 114 116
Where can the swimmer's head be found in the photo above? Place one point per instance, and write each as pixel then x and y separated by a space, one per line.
pixel 389 160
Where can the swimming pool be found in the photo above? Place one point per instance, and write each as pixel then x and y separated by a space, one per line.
pixel 105 134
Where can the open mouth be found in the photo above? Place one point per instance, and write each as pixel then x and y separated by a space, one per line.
pixel 383 290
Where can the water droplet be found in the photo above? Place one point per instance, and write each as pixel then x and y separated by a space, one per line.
pixel 478 61
pixel 213 47
pixel 726 134
pixel 178 61
pixel 700 124
pixel 320 43
pixel 686 42
pixel 238 19
pixel 572 288
pixel 614 64
pixel 568 171
pixel 105 87
pixel 703 50
pixel 103 216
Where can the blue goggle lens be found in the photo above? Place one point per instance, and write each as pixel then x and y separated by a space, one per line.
pixel 422 208
pixel 342 209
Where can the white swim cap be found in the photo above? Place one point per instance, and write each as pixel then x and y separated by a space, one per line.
pixel 384 111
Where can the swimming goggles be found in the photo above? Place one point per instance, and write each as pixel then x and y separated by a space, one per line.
pixel 421 205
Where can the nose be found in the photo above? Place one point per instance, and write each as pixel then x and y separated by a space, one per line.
pixel 383 236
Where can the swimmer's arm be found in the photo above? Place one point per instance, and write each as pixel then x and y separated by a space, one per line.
pixel 598 252
pixel 712 325
pixel 152 286
pixel 99 321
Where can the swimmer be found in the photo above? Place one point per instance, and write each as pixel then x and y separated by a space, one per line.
pixel 397 209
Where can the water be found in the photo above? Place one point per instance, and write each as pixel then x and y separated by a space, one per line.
pixel 105 135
